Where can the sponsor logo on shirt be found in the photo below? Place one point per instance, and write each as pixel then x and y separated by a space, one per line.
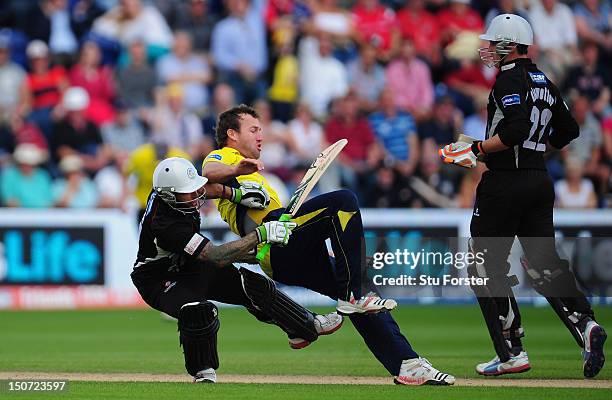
pixel 215 156
pixel 538 77
pixel 511 99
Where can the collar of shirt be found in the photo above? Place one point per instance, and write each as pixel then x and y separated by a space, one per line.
pixel 507 65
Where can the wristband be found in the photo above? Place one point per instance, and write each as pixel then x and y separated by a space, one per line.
pixel 262 233
pixel 477 148
pixel 236 195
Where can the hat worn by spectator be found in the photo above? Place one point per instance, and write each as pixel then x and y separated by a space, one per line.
pixel 75 99
pixel 37 49
pixel 71 163
pixel 29 154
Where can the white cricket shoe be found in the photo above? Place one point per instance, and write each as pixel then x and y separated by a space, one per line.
pixel 419 371
pixel 324 324
pixel 205 376
pixel 593 354
pixel 515 365
pixel 371 303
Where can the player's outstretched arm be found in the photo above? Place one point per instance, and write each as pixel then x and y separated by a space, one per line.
pixel 249 194
pixel 241 250
pixel 217 172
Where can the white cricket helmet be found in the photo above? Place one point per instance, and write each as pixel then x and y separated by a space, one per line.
pixel 506 30
pixel 176 175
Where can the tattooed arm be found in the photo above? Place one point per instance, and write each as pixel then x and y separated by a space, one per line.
pixel 237 251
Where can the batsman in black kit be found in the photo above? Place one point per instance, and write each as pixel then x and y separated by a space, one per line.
pixel 177 270
pixel 515 197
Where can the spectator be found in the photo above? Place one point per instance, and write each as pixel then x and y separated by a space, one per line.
pixel 131 20
pixel 76 135
pixel 377 25
pixel 137 80
pixel 594 22
pixel 329 18
pixel 367 77
pixel 26 184
pixel 239 49
pixel 280 22
pixel 194 18
pixel 83 15
pixel 306 140
pixel 322 77
pixel 505 7
pixel 43 87
pixel 123 135
pixel 283 93
pixel 274 153
pixel 422 29
pixel 387 190
pixel 476 124
pixel 24 131
pixel 440 129
pixel 98 81
pixel 432 186
pixel 11 79
pixel 223 99
pixel 574 191
pixel 49 21
pixel 590 79
pixel 587 148
pixel 75 189
pixel 361 153
pixel 396 132
pixel 305 135
pixel 192 72
pixel 179 127
pixel 410 80
pixel 470 79
pixel 554 31
pixel 142 163
pixel 457 18
pixel 113 189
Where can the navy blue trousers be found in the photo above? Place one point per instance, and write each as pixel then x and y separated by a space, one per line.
pixel 306 262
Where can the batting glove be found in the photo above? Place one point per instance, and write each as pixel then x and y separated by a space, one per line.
pixel 461 153
pixel 275 232
pixel 251 195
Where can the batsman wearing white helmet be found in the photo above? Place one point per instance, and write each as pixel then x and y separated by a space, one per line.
pixel 515 198
pixel 177 270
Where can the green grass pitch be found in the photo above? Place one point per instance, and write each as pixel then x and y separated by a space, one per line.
pixel 453 338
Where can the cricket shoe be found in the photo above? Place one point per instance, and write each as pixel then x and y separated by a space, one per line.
pixel 419 371
pixel 371 303
pixel 324 324
pixel 205 376
pixel 516 364
pixel 593 354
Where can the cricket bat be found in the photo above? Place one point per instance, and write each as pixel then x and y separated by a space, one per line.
pixel 308 182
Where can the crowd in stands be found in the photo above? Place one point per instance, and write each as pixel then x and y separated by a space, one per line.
pixel 93 93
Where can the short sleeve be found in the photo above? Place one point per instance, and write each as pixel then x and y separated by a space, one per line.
pixel 178 236
pixel 220 156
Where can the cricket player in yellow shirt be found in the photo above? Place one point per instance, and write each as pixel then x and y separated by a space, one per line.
pixel 305 260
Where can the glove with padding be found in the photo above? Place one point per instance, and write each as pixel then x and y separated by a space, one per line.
pixel 459 153
pixel 275 232
pixel 251 194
